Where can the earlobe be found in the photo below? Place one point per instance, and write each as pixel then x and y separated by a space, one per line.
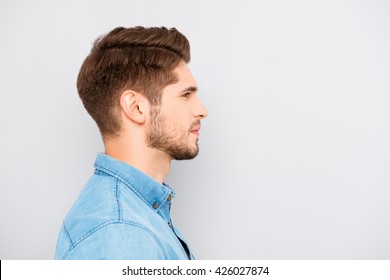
pixel 130 103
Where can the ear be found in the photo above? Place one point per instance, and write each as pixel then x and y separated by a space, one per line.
pixel 133 106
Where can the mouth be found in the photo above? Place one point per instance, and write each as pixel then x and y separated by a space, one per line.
pixel 195 130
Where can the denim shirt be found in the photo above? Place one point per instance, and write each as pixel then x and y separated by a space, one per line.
pixel 121 213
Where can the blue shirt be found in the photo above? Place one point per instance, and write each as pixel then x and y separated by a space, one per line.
pixel 121 213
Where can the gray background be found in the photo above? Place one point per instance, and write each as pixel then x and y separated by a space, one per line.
pixel 295 153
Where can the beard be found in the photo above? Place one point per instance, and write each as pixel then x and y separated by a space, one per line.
pixel 170 137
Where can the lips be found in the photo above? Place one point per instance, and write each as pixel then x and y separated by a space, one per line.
pixel 195 128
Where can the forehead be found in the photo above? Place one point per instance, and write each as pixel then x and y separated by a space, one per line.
pixel 185 79
pixel 183 73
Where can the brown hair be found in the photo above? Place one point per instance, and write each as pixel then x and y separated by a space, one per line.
pixel 138 58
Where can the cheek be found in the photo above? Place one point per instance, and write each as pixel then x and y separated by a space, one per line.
pixel 179 115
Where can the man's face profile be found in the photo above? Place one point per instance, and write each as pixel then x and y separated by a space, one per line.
pixel 174 125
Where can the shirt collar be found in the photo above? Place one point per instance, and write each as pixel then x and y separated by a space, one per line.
pixel 154 194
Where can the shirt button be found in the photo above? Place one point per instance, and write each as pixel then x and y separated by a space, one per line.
pixel 169 198
pixel 170 224
pixel 155 205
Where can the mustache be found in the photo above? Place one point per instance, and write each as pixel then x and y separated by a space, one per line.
pixel 195 124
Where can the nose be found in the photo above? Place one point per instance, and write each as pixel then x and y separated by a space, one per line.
pixel 201 111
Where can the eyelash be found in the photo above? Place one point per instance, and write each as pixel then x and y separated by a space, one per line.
pixel 187 94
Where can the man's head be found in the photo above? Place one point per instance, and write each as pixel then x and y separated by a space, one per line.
pixel 140 59
pixel 130 63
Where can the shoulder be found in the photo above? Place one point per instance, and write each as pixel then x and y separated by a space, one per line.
pixel 105 223
pixel 96 205
pixel 115 240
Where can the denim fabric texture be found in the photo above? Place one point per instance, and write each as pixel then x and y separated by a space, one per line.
pixel 121 213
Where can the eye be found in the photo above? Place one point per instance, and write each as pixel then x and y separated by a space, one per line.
pixel 186 95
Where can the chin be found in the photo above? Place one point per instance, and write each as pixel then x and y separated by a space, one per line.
pixel 186 155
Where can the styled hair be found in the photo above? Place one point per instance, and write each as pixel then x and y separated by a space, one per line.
pixel 138 58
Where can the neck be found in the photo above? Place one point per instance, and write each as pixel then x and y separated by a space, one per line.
pixel 152 162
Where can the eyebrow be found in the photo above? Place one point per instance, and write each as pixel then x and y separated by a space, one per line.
pixel 191 88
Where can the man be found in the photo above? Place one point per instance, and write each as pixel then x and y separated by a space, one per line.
pixel 136 85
